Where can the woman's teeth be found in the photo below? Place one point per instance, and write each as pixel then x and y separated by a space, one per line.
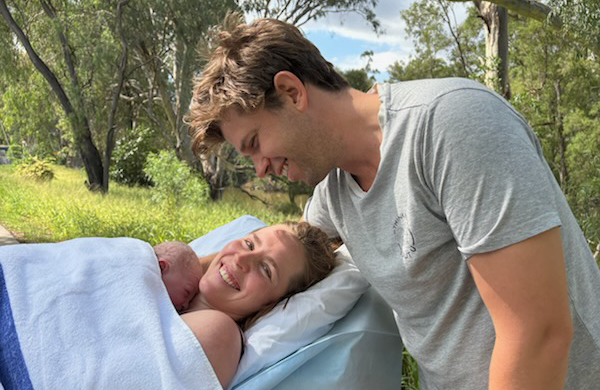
pixel 227 278
pixel 284 170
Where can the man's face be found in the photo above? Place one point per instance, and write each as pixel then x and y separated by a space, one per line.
pixel 252 272
pixel 282 142
pixel 182 285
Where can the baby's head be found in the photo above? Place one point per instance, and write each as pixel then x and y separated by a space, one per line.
pixel 180 270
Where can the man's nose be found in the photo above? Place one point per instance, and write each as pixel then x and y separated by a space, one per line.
pixel 261 165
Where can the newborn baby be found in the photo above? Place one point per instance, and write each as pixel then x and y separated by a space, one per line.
pixel 180 270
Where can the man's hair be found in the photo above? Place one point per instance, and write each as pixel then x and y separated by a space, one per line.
pixel 240 70
pixel 319 259
pixel 178 253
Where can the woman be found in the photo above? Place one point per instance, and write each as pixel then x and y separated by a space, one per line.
pixel 246 279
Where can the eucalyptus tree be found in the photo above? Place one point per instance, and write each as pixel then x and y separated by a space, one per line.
pixel 29 119
pixel 299 12
pixel 164 36
pixel 443 47
pixel 71 45
pixel 556 84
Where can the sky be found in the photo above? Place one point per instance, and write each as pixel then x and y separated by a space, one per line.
pixel 342 38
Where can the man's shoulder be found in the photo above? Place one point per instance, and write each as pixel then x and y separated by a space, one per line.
pixel 422 92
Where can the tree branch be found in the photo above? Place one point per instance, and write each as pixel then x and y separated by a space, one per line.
pixel 39 64
pixel 528 8
pixel 463 61
pixel 110 136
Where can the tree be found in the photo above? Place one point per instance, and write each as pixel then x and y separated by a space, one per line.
pixel 555 84
pixel 75 113
pixel 495 18
pixel 580 19
pixel 120 77
pixel 81 74
pixel 443 48
pixel 299 12
pixel 495 22
pixel 363 78
pixel 27 118
pixel 164 38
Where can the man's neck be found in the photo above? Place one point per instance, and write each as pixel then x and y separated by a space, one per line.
pixel 360 135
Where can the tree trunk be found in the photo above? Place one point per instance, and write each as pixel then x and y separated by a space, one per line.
pixel 110 136
pixel 529 9
pixel 6 137
pixel 562 142
pixel 213 170
pixel 495 19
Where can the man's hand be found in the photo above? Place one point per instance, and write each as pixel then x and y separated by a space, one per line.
pixel 524 288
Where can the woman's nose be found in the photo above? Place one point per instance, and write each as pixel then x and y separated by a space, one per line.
pixel 244 261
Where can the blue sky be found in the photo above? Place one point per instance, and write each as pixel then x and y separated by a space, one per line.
pixel 342 38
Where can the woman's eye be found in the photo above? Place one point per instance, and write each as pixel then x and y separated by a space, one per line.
pixel 254 143
pixel 249 244
pixel 267 270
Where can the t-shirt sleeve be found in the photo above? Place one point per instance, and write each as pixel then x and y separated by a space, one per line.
pixel 316 211
pixel 486 169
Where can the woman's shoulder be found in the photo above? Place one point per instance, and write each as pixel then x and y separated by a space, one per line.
pixel 220 338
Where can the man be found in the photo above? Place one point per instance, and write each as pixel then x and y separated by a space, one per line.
pixel 441 193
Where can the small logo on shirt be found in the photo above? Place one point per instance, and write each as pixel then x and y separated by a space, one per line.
pixel 406 238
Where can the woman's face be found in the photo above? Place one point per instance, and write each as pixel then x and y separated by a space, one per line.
pixel 252 272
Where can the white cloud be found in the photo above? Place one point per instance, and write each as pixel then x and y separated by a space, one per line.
pixel 355 27
pixel 381 60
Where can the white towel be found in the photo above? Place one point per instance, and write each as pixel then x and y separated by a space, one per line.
pixel 93 313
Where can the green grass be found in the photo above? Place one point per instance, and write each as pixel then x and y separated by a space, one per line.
pixel 63 209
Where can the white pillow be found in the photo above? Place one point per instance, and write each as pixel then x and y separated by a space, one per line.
pixel 307 316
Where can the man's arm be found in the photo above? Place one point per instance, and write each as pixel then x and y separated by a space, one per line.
pixel 525 291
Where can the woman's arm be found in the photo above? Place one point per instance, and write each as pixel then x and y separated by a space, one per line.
pixel 220 338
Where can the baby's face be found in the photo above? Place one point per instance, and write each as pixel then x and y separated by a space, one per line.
pixel 182 286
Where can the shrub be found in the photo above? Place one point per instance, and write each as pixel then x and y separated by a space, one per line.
pixel 173 179
pixel 129 157
pixel 34 168
pixel 15 153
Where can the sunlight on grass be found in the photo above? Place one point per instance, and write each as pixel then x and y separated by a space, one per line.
pixel 63 209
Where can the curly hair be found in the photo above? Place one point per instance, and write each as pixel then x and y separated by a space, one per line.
pixel 319 259
pixel 240 71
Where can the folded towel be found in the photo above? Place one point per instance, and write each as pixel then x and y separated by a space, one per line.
pixel 93 313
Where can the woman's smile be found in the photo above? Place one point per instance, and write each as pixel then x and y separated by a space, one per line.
pixel 228 277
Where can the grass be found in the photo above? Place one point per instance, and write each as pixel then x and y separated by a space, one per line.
pixel 63 209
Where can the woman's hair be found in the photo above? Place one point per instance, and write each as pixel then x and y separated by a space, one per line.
pixel 240 70
pixel 319 259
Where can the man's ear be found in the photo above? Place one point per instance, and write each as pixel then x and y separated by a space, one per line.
pixel 289 86
pixel 164 266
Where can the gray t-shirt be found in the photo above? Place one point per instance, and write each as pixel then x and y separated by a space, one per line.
pixel 461 173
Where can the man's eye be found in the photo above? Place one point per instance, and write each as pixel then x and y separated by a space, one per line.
pixel 254 143
pixel 249 244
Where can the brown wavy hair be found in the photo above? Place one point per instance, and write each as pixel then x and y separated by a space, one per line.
pixel 240 70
